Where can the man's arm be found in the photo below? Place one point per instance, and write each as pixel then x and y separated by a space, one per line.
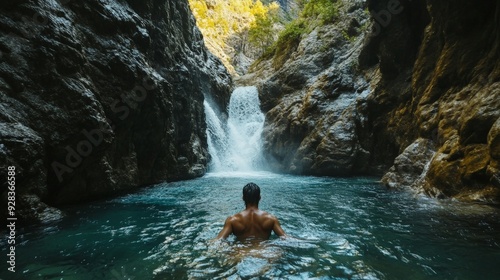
pixel 226 230
pixel 277 228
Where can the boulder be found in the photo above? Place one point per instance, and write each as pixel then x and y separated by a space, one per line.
pixel 411 165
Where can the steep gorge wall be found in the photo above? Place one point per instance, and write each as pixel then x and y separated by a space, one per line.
pixel 414 86
pixel 311 90
pixel 98 97
pixel 441 99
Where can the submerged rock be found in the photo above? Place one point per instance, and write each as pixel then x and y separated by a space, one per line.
pixel 98 97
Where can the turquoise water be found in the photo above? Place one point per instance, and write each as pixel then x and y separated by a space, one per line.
pixel 341 229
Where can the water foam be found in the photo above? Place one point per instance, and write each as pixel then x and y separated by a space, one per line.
pixel 236 144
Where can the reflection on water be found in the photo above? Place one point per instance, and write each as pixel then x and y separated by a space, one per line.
pixel 339 228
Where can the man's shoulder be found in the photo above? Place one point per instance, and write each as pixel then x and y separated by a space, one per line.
pixel 268 216
pixel 231 218
pixel 235 217
pixel 243 215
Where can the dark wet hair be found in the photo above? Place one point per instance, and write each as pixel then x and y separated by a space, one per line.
pixel 251 193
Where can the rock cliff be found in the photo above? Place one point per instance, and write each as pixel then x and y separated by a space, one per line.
pixel 99 97
pixel 310 90
pixel 440 80
pixel 410 84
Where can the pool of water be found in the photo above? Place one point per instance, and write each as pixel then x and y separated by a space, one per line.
pixel 340 229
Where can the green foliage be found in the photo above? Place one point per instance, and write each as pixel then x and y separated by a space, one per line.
pixel 261 33
pixel 325 11
pixel 348 37
pixel 314 13
pixel 219 19
pixel 288 41
pixel 235 25
pixel 293 31
pixel 229 26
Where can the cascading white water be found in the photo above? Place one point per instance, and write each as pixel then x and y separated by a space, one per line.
pixel 236 145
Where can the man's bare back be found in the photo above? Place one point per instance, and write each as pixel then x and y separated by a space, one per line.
pixel 251 222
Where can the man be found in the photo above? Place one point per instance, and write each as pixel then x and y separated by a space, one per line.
pixel 251 222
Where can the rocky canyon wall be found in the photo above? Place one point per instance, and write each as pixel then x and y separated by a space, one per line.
pixel 438 87
pixel 409 87
pixel 98 97
pixel 310 90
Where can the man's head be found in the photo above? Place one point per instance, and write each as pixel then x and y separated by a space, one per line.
pixel 251 194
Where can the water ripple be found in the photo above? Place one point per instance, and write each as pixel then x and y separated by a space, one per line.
pixel 338 228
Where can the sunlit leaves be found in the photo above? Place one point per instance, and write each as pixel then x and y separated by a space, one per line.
pixel 219 19
pixel 262 31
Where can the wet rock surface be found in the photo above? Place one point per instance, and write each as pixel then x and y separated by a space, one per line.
pixel 411 166
pixel 447 91
pixel 311 95
pixel 424 72
pixel 98 97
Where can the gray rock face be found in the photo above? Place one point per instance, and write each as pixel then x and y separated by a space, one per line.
pixel 445 89
pixel 311 99
pixel 426 70
pixel 98 97
pixel 411 165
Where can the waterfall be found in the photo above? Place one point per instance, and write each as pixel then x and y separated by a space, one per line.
pixel 235 144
